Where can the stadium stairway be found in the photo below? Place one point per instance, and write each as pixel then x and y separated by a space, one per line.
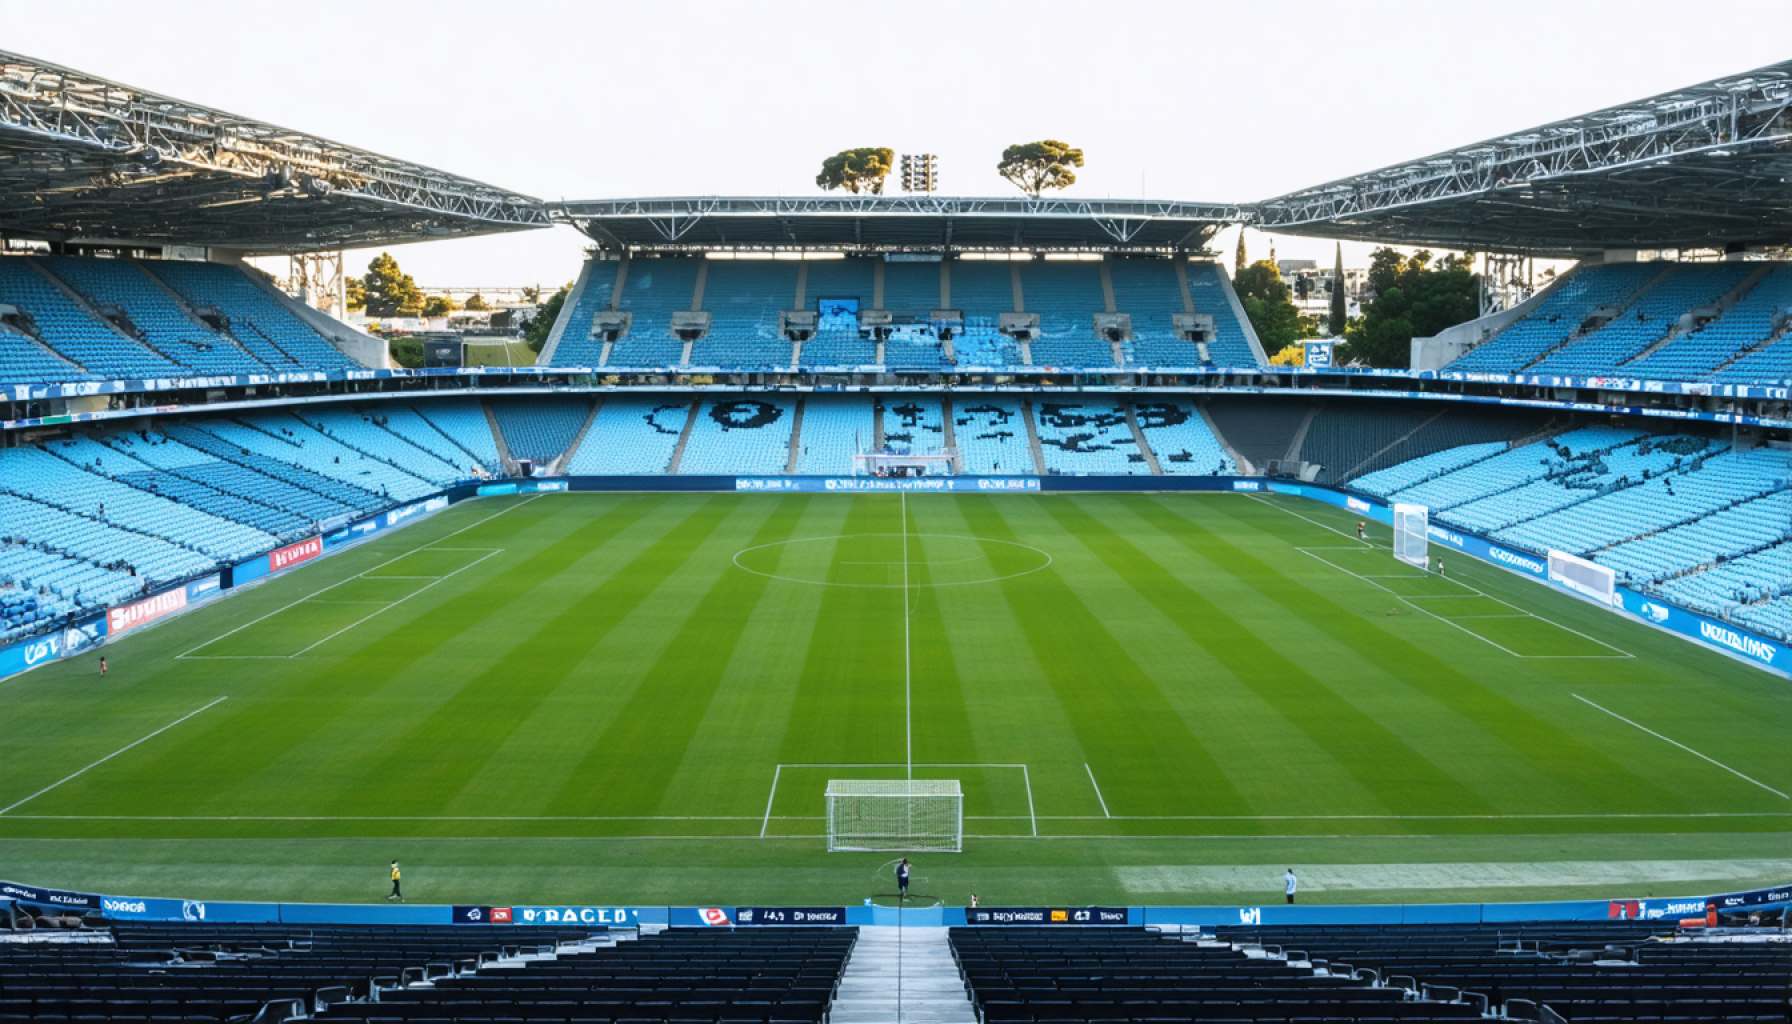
pixel 505 459
pixel 902 974
pixel 1138 436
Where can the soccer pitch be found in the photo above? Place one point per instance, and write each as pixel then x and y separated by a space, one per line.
pixel 640 698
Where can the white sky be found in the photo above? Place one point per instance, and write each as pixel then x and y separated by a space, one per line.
pixel 1178 99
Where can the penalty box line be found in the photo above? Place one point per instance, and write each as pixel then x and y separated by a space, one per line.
pixel 1026 777
pixel 323 590
pixel 367 574
pixel 134 744
pixel 1618 652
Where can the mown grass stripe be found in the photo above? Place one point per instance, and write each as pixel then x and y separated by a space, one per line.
pixel 1400 778
pixel 275 743
pixel 669 702
pixel 443 751
pixel 1110 701
pixel 1580 770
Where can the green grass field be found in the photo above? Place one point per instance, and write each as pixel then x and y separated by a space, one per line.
pixel 1148 698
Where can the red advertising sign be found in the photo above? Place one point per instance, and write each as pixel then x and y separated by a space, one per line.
pixel 141 613
pixel 293 554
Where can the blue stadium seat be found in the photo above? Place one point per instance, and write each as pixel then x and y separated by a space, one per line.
pixel 744 436
pixel 631 436
pixel 262 323
pixel 1087 438
pixel 166 327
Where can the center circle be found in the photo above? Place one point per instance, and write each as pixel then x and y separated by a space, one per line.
pixel 893 561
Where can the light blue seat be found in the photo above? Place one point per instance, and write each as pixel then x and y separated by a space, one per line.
pixel 66 327
pixel 992 436
pixel 739 436
pixel 1181 439
pixel 834 430
pixel 630 436
pixel 268 329
pixel 540 428
pixel 1087 438
pixel 1557 315
pixel 164 324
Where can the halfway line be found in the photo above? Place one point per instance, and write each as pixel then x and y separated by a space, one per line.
pixel 1707 759
pixel 129 746
pixel 908 707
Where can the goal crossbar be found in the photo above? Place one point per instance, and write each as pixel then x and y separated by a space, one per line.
pixel 895 815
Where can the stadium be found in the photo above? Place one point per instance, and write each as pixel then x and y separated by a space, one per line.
pixel 829 530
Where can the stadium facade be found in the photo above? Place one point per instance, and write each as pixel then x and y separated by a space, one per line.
pixel 177 429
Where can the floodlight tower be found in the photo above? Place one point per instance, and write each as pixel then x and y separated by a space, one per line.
pixel 920 172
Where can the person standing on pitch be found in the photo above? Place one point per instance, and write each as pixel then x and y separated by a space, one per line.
pixel 902 878
pixel 396 893
pixel 102 666
pixel 1362 528
pixel 1289 884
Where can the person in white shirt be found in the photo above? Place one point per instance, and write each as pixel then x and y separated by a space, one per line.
pixel 1290 884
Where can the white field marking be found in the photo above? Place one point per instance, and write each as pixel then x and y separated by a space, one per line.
pixel 837 537
pixel 1168 878
pixel 1097 785
pixel 408 817
pixel 325 818
pixel 908 707
pixel 898 764
pixel 386 576
pixel 1495 615
pixel 1665 739
pixel 1360 543
pixel 1619 651
pixel 393 604
pixel 1451 622
pixel 805 837
pixel 769 797
pixel 323 590
pixel 1027 777
pixel 128 746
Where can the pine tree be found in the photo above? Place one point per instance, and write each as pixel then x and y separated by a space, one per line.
pixel 1239 262
pixel 1339 309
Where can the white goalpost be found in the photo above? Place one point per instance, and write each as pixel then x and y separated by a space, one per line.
pixel 895 815
pixel 1412 535
pixel 904 463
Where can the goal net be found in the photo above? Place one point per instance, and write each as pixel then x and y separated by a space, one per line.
pixel 1412 539
pixel 895 815
pixel 1588 579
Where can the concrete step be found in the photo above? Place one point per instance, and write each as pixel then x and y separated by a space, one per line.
pixel 896 976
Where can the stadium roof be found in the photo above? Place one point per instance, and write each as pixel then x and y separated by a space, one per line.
pixel 896 222
pixel 83 158
pixel 1704 166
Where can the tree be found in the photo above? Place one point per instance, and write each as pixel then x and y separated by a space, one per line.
pixel 1269 304
pixel 1034 167
pixel 1239 261
pixel 1340 310
pixel 1290 355
pixel 857 170
pixel 438 305
pixel 476 304
pixel 389 291
pixel 356 293
pixel 536 331
pixel 531 294
pixel 1406 297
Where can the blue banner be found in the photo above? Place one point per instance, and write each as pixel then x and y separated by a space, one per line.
pixel 55 646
